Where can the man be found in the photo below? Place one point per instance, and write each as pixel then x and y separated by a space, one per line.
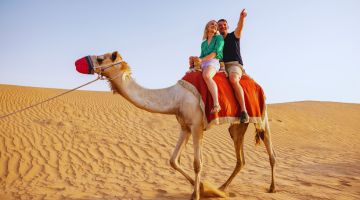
pixel 232 60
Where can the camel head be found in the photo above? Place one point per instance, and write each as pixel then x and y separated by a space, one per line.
pixel 106 65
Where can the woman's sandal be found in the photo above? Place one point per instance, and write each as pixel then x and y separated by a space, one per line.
pixel 216 109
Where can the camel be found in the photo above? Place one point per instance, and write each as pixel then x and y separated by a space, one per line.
pixel 178 101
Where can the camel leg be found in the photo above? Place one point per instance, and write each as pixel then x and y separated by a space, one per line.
pixel 175 158
pixel 237 132
pixel 206 189
pixel 271 153
pixel 197 133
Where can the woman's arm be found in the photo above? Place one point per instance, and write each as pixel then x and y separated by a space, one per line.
pixel 209 57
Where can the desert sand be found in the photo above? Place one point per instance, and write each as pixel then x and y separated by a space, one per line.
pixel 96 145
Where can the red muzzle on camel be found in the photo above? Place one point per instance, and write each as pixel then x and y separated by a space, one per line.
pixel 85 65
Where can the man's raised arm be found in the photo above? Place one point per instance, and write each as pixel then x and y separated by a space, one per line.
pixel 240 24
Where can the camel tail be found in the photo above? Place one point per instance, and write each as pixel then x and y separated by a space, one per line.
pixel 260 134
pixel 260 129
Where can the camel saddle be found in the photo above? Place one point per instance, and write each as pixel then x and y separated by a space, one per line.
pixel 230 108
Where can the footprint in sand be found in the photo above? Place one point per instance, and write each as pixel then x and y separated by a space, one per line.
pixel 232 194
pixel 161 191
pixel 345 183
pixel 305 183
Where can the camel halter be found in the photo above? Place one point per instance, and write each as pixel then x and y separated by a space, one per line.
pixel 103 68
pixel 100 77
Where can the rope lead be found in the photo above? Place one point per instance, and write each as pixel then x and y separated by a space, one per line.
pixel 12 113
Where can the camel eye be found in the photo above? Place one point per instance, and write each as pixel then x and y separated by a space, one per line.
pixel 99 59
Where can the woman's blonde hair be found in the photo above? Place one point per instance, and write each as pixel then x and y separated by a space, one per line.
pixel 205 36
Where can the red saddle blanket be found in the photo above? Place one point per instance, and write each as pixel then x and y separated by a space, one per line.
pixel 230 108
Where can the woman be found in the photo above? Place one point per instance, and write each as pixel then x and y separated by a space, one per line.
pixel 211 53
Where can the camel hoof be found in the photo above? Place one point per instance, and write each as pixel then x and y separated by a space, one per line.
pixel 193 197
pixel 222 188
pixel 209 190
pixel 272 189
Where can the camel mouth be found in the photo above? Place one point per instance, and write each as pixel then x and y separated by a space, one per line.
pixel 85 65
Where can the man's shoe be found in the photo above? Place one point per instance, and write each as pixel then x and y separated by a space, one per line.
pixel 244 117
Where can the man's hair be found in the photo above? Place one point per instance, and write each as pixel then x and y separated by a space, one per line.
pixel 222 20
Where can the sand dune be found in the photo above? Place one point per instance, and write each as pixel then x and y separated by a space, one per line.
pixel 96 145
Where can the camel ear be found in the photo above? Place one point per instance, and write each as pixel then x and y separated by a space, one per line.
pixel 115 55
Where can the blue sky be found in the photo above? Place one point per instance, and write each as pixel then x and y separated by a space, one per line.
pixel 296 50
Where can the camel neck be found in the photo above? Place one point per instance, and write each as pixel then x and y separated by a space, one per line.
pixel 153 100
